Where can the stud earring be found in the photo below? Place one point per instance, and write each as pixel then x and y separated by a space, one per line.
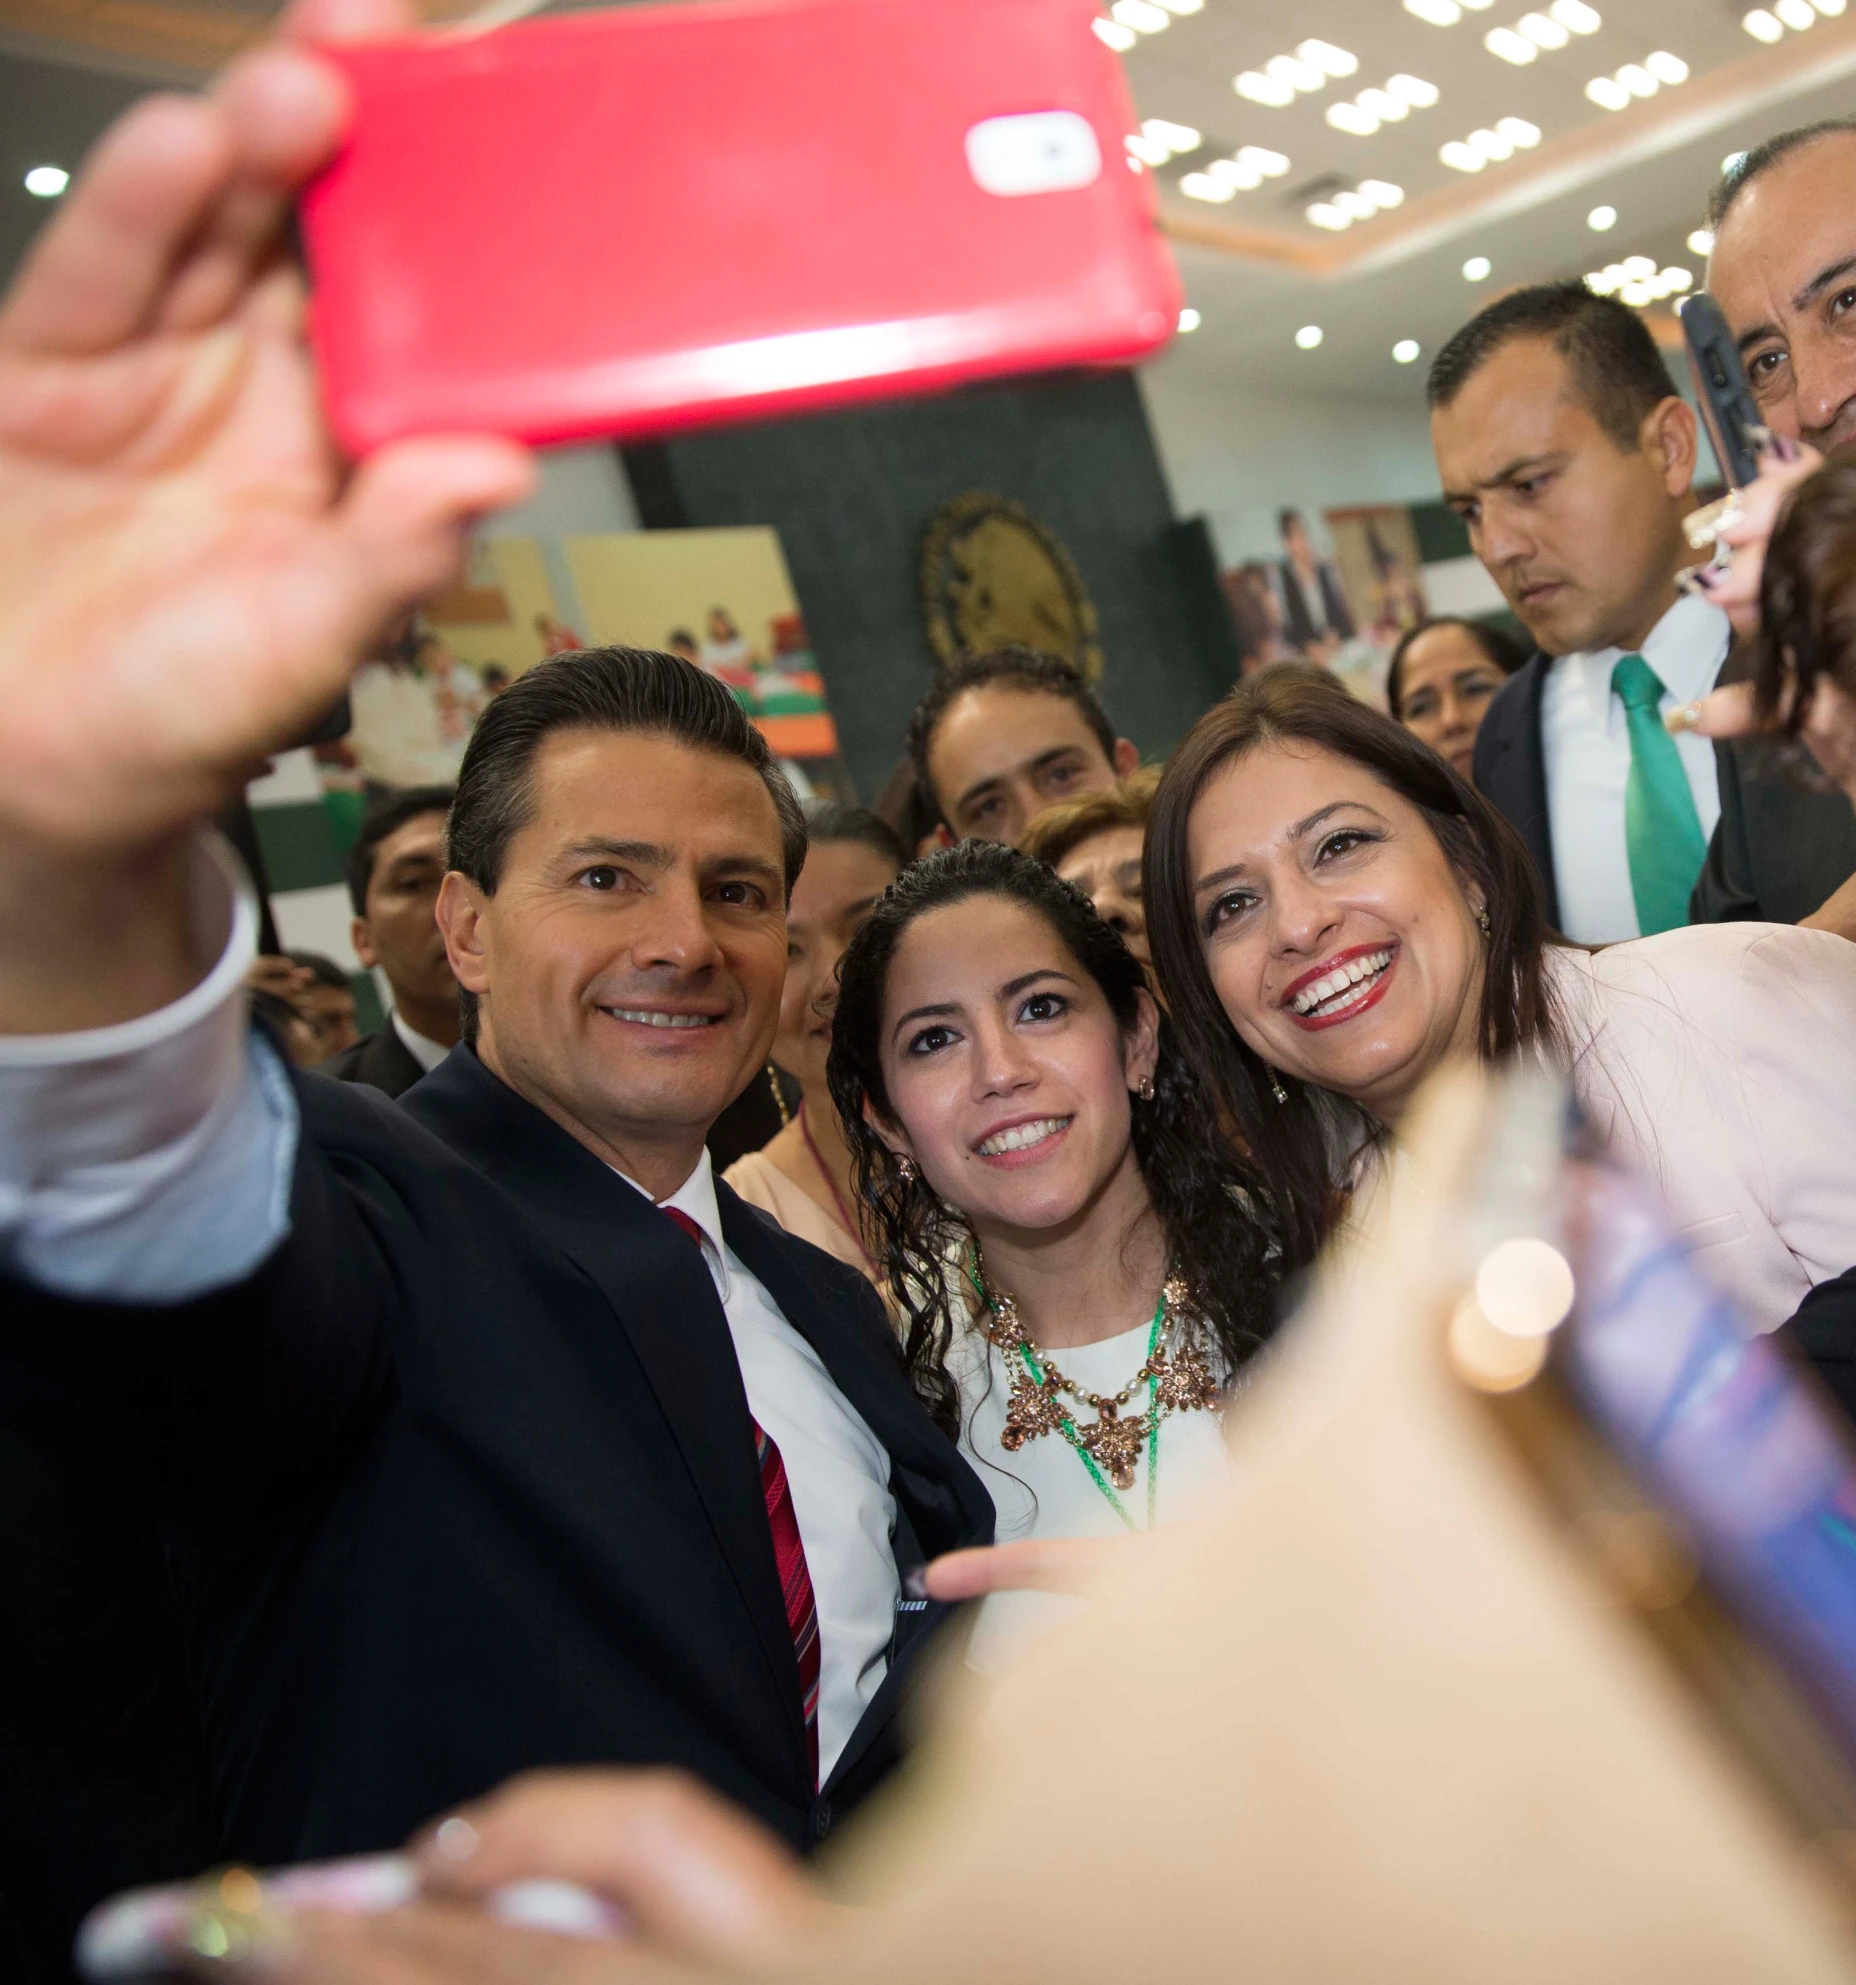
pixel 905 1168
pixel 1146 1089
pixel 1276 1088
pixel 1482 918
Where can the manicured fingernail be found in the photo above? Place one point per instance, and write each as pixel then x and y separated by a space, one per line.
pixel 456 1839
pixel 1684 717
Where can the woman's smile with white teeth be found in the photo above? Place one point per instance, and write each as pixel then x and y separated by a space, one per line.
pixel 1022 1136
pixel 1340 982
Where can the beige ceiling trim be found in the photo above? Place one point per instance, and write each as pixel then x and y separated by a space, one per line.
pixel 1562 165
pixel 164 40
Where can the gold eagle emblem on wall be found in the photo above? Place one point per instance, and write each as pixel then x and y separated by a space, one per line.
pixel 992 576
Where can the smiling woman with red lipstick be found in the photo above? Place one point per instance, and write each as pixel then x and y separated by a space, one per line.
pixel 1334 912
pixel 1069 1234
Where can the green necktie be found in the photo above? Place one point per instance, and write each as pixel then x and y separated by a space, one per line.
pixel 1662 830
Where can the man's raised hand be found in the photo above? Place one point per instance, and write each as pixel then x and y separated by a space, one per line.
pixel 187 573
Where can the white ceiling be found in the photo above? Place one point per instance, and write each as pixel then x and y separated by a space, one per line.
pixel 1247 265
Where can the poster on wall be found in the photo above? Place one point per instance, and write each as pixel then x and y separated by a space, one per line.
pixel 724 600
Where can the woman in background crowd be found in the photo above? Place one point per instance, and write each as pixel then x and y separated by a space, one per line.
pixel 803 1176
pixel 1095 842
pixel 1067 1236
pixel 1334 912
pixel 1443 676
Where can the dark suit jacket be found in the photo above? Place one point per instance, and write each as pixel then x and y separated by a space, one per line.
pixel 382 1060
pixel 1298 622
pixel 1511 767
pixel 462 1481
pixel 1779 852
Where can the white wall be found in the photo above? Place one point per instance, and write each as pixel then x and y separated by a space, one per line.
pixel 1238 457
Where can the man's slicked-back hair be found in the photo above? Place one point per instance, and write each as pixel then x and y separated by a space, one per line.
pixel 598 689
pixel 1015 668
pixel 1615 366
pixel 1750 165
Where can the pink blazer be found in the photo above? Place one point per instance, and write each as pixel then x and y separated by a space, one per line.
pixel 1720 1060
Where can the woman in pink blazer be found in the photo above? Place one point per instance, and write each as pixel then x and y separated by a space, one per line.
pixel 1333 912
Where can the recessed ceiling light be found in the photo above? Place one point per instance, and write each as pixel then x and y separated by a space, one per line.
pixel 1676 279
pixel 1601 282
pixel 1308 337
pixel 1382 193
pixel 1440 13
pixel 1461 157
pixel 1601 219
pixel 1355 204
pixel 1238 172
pixel 1291 69
pixel 1637 294
pixel 1326 214
pixel 1389 109
pixel 1666 68
pixel 1575 14
pixel 1637 79
pixel 1492 145
pixel 1120 39
pixel 1405 351
pixel 1141 15
pixel 1202 186
pixel 1509 45
pixel 1476 268
pixel 1637 268
pixel 1353 118
pixel 1608 93
pixel 1761 25
pixel 1272 165
pixel 1189 319
pixel 1797 14
pixel 1543 31
pixel 1413 90
pixel 1701 243
pixel 1518 131
pixel 46 182
pixel 1150 151
pixel 1830 9
pixel 1254 85
pixel 1324 56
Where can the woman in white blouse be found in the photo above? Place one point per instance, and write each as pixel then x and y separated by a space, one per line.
pixel 1333 912
pixel 1065 1232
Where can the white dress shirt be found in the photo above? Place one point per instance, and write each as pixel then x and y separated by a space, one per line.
pixel 836 1467
pixel 151 1162
pixel 1587 746
pixel 427 1052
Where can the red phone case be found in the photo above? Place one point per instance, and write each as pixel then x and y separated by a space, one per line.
pixel 630 222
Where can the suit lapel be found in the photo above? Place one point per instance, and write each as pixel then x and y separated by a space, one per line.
pixel 660 1289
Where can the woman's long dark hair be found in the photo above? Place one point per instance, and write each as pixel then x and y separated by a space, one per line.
pixel 1300 1146
pixel 1201 1188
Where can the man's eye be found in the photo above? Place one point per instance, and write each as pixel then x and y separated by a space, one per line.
pixel 738 895
pixel 1762 365
pixel 600 878
pixel 1842 301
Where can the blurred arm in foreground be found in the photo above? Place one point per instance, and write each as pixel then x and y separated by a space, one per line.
pixel 1371 1717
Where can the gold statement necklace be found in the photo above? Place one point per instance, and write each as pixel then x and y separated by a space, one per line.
pixel 1175 1372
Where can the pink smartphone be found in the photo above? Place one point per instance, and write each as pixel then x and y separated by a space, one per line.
pixel 630 222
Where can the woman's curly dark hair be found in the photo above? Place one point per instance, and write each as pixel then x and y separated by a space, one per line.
pixel 1201 1187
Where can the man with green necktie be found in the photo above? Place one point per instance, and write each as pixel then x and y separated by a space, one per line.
pixel 1567 451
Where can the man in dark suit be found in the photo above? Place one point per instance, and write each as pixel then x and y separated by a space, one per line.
pixel 488 1429
pixel 1315 616
pixel 394 870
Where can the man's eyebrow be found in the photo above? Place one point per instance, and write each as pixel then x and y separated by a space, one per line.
pixel 642 854
pixel 1029 769
pixel 979 786
pixel 1509 472
pixel 757 866
pixel 1820 282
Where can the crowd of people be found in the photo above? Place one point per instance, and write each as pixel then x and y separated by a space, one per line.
pixel 466 1417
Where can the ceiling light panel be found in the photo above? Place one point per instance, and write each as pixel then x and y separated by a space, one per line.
pixel 1363 202
pixel 1365 113
pixel 1285 77
pixel 1222 179
pixel 1491 145
pixel 1658 70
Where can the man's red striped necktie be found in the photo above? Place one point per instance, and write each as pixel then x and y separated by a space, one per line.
pixel 789 1552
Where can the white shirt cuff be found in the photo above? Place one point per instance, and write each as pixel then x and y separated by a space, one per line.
pixel 151 1161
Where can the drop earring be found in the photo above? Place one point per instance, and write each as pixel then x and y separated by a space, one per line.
pixel 1276 1088
pixel 905 1168
pixel 1482 920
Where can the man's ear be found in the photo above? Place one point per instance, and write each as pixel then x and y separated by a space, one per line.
pixel 942 837
pixel 461 917
pixel 362 938
pixel 1140 1054
pixel 1127 757
pixel 1672 433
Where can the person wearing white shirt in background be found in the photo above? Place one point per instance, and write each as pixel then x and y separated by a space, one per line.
pixel 1564 447
pixel 394 872
pixel 1066 1235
